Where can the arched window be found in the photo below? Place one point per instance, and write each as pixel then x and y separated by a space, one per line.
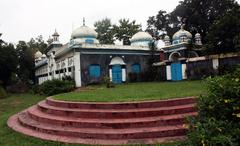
pixel 94 71
pixel 136 68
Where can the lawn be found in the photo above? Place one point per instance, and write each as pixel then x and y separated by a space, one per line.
pixel 127 92
pixel 137 91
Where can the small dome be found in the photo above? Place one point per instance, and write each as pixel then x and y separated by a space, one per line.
pixel 44 56
pixel 84 31
pixel 197 35
pixel 166 38
pixel 141 36
pixel 180 33
pixel 38 54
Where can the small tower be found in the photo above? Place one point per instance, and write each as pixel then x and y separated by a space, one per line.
pixel 55 36
pixel 50 40
pixel 198 39
pixel 167 40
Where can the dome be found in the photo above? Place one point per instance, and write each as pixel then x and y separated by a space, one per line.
pixel 84 31
pixel 141 36
pixel 197 35
pixel 166 38
pixel 44 56
pixel 180 33
pixel 38 54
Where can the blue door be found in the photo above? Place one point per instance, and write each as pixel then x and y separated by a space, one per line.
pixel 117 74
pixel 176 71
pixel 94 71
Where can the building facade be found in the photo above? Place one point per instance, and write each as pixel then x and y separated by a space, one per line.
pixel 86 61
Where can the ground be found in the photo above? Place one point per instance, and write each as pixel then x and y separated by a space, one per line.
pixel 18 102
pixel 137 91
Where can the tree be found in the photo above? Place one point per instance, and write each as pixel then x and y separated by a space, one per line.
pixel 198 15
pixel 8 62
pixel 26 62
pixel 38 44
pixel 104 30
pixel 161 24
pixel 125 30
pixel 224 34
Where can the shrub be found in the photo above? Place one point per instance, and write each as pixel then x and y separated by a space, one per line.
pixel 55 86
pixel 19 87
pixel 3 93
pixel 218 123
pixel 108 82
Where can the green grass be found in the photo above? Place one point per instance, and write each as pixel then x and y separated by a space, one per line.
pixel 16 103
pixel 137 91
pixel 127 92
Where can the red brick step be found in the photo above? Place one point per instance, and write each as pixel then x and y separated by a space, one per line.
pixel 37 115
pixel 121 105
pixel 116 113
pixel 101 133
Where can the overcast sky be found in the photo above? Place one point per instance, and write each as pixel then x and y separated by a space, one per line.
pixel 23 19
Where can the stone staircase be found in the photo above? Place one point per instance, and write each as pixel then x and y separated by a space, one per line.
pixel 145 122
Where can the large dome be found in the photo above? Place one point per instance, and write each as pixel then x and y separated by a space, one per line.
pixel 182 32
pixel 38 54
pixel 84 31
pixel 141 36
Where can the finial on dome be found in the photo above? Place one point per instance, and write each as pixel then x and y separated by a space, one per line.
pixel 182 26
pixel 83 21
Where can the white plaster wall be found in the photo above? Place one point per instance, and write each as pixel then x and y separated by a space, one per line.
pixel 184 67
pixel 168 72
pixel 215 63
pixel 123 74
pixel 77 74
pixel 110 74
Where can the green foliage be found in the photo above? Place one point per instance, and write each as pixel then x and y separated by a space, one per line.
pixel 125 30
pixel 26 62
pixel 218 122
pixel 108 82
pixel 224 33
pixel 8 62
pixel 104 30
pixel 137 91
pixel 55 86
pixel 3 93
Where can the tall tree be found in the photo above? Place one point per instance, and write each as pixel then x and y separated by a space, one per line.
pixel 104 30
pixel 198 15
pixel 38 44
pixel 26 62
pixel 161 24
pixel 125 30
pixel 224 34
pixel 8 62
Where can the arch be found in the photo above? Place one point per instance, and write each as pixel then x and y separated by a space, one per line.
pixel 174 56
pixel 192 54
pixel 117 60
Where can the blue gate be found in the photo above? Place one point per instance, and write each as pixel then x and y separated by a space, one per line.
pixel 116 74
pixel 176 71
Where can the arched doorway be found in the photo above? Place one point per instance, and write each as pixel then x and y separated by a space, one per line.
pixel 117 70
pixel 176 66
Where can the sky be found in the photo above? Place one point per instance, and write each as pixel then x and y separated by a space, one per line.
pixel 24 19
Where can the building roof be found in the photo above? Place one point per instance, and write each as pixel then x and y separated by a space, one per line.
pixel 84 31
pixel 141 36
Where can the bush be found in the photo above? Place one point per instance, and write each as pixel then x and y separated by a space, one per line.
pixel 19 87
pixel 218 123
pixel 55 86
pixel 3 93
pixel 108 82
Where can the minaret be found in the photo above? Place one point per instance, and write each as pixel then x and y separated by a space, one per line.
pixel 55 36
pixel 198 39
pixel 83 21
pixel 167 40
